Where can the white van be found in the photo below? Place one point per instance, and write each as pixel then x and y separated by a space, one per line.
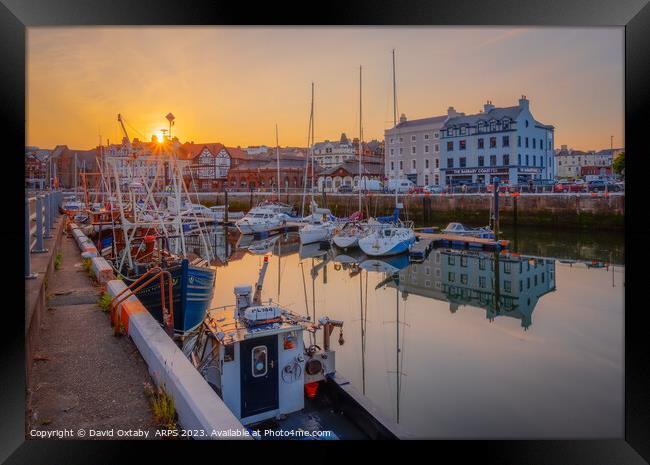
pixel 370 185
pixel 401 185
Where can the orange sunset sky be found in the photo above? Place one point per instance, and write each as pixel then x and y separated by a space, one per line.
pixel 233 84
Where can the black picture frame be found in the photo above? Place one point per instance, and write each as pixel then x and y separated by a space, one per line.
pixel 634 15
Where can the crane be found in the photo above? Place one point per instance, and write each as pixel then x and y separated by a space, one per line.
pixel 126 134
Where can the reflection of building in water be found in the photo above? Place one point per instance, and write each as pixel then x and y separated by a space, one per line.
pixel 470 278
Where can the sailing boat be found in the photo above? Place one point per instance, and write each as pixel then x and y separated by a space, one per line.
pixel 349 235
pixel 398 237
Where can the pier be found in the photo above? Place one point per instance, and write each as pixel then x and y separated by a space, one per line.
pixel 427 241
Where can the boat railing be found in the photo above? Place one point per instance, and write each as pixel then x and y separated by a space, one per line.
pixel 144 280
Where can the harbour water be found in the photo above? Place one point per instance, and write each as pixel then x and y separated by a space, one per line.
pixel 466 344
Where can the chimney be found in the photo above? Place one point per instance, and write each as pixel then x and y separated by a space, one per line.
pixel 402 118
pixel 523 102
pixel 487 107
pixel 451 112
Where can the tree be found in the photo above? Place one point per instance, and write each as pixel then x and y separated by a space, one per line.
pixel 619 163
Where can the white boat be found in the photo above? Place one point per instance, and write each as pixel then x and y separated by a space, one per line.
pixel 317 231
pixel 462 230
pixel 391 240
pixel 348 236
pixel 260 219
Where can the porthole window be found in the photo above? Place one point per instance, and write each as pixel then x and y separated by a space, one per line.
pixel 259 356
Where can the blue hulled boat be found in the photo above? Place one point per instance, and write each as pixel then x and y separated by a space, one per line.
pixel 192 289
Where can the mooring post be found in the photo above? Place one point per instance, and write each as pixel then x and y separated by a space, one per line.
pixel 496 207
pixel 48 216
pixel 28 239
pixel 514 209
pixel 39 248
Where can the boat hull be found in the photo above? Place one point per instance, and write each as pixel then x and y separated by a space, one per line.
pixel 192 289
pixel 345 242
pixel 245 227
pixel 374 247
pixel 309 235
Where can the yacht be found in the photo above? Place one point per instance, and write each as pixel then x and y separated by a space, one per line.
pixel 390 240
pixel 261 219
pixel 462 230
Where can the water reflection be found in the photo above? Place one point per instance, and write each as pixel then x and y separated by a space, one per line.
pixel 432 345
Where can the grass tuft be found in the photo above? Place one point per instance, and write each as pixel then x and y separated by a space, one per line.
pixel 163 407
pixel 104 302
pixel 57 261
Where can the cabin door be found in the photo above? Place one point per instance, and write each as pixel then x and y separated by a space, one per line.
pixel 259 375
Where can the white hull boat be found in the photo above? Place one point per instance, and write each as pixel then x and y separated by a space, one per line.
pixel 392 240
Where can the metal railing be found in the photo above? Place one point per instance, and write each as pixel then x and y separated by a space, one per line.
pixel 41 211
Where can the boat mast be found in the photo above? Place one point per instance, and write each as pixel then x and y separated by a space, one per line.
pixel 309 142
pixel 360 137
pixel 395 117
pixel 277 157
pixel 311 147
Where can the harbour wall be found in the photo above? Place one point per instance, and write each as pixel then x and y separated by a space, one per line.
pixel 578 211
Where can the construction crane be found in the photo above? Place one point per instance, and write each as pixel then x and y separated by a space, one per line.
pixel 126 134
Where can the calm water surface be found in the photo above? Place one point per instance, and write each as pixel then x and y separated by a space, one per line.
pixel 466 344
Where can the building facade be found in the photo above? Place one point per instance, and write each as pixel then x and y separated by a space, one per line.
pixel 577 163
pixel 412 149
pixel 507 143
pixel 328 154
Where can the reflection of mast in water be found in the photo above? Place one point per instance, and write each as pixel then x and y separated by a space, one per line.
pixel 399 352
pixel 363 310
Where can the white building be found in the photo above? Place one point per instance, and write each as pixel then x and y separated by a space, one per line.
pixel 329 154
pixel 412 149
pixel 571 163
pixel 499 142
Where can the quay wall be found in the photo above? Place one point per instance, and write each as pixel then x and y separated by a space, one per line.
pixel 576 211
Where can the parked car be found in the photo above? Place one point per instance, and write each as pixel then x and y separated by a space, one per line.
pixel 566 187
pixel 433 189
pixel 370 185
pixel 601 185
pixel 416 190
pixel 345 189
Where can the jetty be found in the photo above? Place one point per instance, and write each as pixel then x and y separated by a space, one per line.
pixel 427 241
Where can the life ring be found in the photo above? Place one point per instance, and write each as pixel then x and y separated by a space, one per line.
pixel 337 266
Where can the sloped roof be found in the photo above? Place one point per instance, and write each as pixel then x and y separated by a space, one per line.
pixel 422 121
pixel 495 113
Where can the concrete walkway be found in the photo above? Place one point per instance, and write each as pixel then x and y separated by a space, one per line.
pixel 82 375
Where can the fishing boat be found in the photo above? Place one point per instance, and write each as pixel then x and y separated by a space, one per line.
pixel 254 356
pixel 462 230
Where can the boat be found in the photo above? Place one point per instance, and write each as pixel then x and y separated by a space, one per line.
pixel 71 206
pixel 386 264
pixel 348 236
pixel 390 240
pixel 260 219
pixel 192 290
pixel 462 230
pixel 254 356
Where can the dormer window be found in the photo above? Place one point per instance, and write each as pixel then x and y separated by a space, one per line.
pixel 506 123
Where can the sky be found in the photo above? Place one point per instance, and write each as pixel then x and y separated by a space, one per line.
pixel 234 84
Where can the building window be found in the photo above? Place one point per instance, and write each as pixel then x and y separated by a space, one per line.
pixel 450 162
pixel 463 278
pixel 526 142
pixel 436 179
pixel 450 146
pixel 507 267
pixel 481 282
pixel 518 141
pixel 519 158
pixel 436 148
pixel 521 286
pixel 401 164
pixel 426 137
pixel 505 141
pixel 401 151
pixel 507 287
pixel 391 140
pixel 392 152
pixel 463 162
pixel 451 260
pixel 481 143
pixel 526 123
pixel 481 263
pixel 413 150
pixel 506 124
pixel 534 143
pixel 436 135
pixel 506 159
pixel 426 149
pixel 481 160
pixel 412 138
pixel 452 277
pixel 463 261
pixel 426 179
pixel 401 139
pixel 413 163
pixel 426 163
pixel 534 158
pixel 437 163
pixel 461 144
pixel 527 161
pixel 493 160
pixel 493 142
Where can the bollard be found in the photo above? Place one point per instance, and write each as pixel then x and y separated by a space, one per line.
pixel 47 231
pixel 53 206
pixel 28 264
pixel 39 247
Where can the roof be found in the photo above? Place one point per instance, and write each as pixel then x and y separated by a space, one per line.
pixel 422 121
pixel 352 167
pixel 494 113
